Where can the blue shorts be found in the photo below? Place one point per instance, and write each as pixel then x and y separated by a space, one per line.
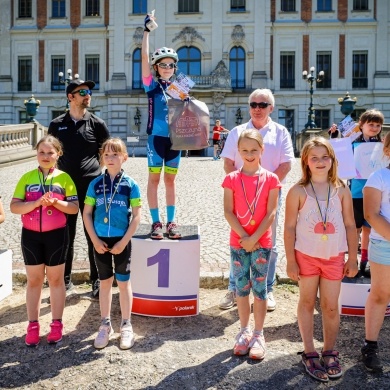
pixel 160 153
pixel 379 251
pixel 250 271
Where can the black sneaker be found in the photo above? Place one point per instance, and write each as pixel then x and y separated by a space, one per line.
pixel 371 359
pixel 365 269
pixel 173 231
pixel 95 288
pixel 156 233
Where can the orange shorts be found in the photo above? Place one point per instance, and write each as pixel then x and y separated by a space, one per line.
pixel 331 269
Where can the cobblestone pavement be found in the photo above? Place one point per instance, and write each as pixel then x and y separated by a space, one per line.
pixel 199 202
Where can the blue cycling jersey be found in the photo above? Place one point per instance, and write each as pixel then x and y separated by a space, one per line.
pixel 157 106
pixel 118 196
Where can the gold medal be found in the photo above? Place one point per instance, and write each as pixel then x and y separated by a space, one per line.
pixel 252 222
pixel 49 212
pixel 324 237
pixel 105 219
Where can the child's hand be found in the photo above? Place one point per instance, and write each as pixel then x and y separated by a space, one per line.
pixel 100 247
pixel 293 271
pixel 350 268
pixel 118 248
pixel 247 243
pixel 48 199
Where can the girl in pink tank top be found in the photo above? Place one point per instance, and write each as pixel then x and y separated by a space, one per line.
pixel 319 228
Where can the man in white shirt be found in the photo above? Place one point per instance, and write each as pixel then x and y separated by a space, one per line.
pixel 278 156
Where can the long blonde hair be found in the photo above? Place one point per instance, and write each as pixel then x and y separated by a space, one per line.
pixel 306 174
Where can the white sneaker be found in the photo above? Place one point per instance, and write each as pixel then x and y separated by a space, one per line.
pixel 103 336
pixel 271 304
pixel 228 301
pixel 127 337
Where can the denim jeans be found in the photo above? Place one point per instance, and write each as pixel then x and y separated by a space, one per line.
pixel 271 276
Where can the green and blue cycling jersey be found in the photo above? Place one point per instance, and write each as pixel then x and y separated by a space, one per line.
pixel 118 196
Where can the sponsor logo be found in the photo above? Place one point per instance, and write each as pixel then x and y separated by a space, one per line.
pixel 181 308
pixel 62 128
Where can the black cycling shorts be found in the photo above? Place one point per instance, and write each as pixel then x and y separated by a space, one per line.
pixel 49 248
pixel 358 213
pixel 121 261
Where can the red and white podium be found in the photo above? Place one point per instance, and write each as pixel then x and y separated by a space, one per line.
pixel 165 273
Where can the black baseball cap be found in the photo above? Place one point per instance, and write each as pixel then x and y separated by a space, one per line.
pixel 76 82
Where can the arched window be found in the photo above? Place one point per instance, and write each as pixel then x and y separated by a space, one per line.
pixel 189 60
pixel 137 69
pixel 237 67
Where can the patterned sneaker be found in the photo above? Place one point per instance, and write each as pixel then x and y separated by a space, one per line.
pixel 32 336
pixel 228 301
pixel 103 336
pixel 241 347
pixel 55 334
pixel 257 347
pixel 173 231
pixel 127 337
pixel 156 233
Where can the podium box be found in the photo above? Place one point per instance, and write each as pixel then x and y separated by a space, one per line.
pixel 165 273
pixel 353 297
pixel 6 273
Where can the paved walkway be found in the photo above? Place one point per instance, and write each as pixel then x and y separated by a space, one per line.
pixel 199 202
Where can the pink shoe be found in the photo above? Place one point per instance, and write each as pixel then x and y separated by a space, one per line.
pixel 257 347
pixel 32 337
pixel 241 347
pixel 55 334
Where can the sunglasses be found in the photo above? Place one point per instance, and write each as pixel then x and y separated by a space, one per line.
pixel 83 92
pixel 259 105
pixel 163 65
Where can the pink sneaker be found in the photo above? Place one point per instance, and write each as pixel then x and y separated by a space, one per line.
pixel 55 334
pixel 241 346
pixel 32 336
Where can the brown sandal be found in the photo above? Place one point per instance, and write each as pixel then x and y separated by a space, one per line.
pixel 332 366
pixel 314 368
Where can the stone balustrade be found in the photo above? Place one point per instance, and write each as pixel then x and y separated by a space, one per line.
pixel 17 141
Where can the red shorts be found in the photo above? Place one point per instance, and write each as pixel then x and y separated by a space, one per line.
pixel 331 269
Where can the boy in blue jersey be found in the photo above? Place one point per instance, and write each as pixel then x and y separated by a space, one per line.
pixel 164 63
pixel 111 216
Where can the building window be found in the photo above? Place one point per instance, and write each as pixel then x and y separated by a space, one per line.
pixel 360 5
pixel 237 67
pixel 25 9
pixel 92 8
pixel 92 70
pixel 359 69
pixel 140 7
pixel 357 113
pixel 22 116
pixel 57 66
pixel 286 119
pixel 190 60
pixel 324 5
pixel 137 69
pixel 237 5
pixel 287 6
pixel 321 119
pixel 55 113
pixel 24 74
pixel 188 6
pixel 58 8
pixel 287 70
pixel 324 62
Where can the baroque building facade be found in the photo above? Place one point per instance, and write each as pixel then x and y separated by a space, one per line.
pixel 228 47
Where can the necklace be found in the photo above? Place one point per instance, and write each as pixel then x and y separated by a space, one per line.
pixel 251 206
pixel 43 182
pixel 324 237
pixel 107 207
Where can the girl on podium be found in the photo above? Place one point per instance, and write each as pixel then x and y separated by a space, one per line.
pixel 250 204
pixel 111 216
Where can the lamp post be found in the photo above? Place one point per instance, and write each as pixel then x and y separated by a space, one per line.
pixel 137 118
pixel 66 81
pixel 238 117
pixel 310 78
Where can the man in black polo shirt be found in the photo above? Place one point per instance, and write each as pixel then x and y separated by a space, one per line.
pixel 82 135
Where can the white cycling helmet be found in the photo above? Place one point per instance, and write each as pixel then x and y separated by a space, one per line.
pixel 164 52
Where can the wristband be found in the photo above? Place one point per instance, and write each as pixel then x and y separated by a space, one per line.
pixel 146 29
